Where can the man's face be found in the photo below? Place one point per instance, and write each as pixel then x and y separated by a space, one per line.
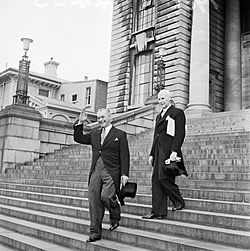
pixel 163 99
pixel 103 118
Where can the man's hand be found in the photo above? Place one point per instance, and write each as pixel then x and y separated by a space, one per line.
pixel 82 116
pixel 150 160
pixel 124 180
pixel 173 156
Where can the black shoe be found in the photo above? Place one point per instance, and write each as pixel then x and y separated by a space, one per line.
pixel 91 239
pixel 113 226
pixel 153 216
pixel 175 208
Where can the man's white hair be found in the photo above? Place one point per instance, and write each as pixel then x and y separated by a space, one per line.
pixel 166 92
pixel 106 110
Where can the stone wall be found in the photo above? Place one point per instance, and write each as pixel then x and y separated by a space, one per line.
pixel 119 72
pixel 19 135
pixel 172 31
pixel 25 135
pixel 54 135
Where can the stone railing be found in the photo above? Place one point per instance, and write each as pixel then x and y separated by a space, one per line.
pixel 133 122
pixel 223 122
pixel 54 135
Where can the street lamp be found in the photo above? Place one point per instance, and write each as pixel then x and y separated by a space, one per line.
pixel 160 80
pixel 21 96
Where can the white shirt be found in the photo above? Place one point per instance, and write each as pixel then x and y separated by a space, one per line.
pixel 107 129
pixel 164 110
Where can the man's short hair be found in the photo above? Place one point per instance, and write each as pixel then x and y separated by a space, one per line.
pixel 104 109
pixel 167 93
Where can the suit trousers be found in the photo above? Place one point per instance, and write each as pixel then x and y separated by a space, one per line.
pixel 101 195
pixel 164 186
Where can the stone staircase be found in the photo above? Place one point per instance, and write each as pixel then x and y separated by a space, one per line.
pixel 44 206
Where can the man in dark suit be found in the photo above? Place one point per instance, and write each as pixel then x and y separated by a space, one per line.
pixel 168 138
pixel 109 169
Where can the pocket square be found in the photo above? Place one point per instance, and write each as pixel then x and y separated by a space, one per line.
pixel 116 139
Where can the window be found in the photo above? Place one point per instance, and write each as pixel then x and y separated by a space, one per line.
pixel 141 52
pixel 74 98
pixel 145 15
pixel 88 96
pixel 143 79
pixel 43 92
pixel 62 97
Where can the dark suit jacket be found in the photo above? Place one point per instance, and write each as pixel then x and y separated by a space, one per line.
pixel 114 151
pixel 163 143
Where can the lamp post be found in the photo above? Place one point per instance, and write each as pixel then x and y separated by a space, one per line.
pixel 160 80
pixel 21 96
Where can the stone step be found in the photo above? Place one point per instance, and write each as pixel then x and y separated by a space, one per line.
pixel 222 158
pixel 219 219
pixel 40 182
pixel 194 167
pixel 3 245
pixel 39 176
pixel 132 235
pixel 137 169
pixel 51 172
pixel 217 206
pixel 133 174
pixel 198 176
pixel 212 151
pixel 45 189
pixel 23 242
pixel 24 233
pixel 145 189
pixel 216 143
pixel 219 176
pixel 235 139
pixel 184 181
pixel 234 196
pixel 204 193
pixel 223 207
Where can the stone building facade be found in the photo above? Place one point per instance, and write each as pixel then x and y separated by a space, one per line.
pixel 53 97
pixel 206 47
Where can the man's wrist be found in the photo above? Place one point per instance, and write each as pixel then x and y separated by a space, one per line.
pixel 79 123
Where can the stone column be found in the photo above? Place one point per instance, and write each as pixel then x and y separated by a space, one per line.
pixel 199 59
pixel 232 80
pixel 19 135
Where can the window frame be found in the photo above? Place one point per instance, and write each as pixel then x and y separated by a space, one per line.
pixel 62 99
pixel 44 90
pixel 87 98
pixel 138 12
pixel 75 100
pixel 134 94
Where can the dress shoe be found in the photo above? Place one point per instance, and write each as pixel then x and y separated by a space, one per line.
pixel 113 226
pixel 91 239
pixel 175 208
pixel 153 216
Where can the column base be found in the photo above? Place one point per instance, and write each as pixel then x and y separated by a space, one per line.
pixel 197 110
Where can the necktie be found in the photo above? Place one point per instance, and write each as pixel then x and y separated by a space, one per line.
pixel 162 113
pixel 103 135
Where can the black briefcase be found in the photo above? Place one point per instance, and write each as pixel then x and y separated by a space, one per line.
pixel 174 168
pixel 129 190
